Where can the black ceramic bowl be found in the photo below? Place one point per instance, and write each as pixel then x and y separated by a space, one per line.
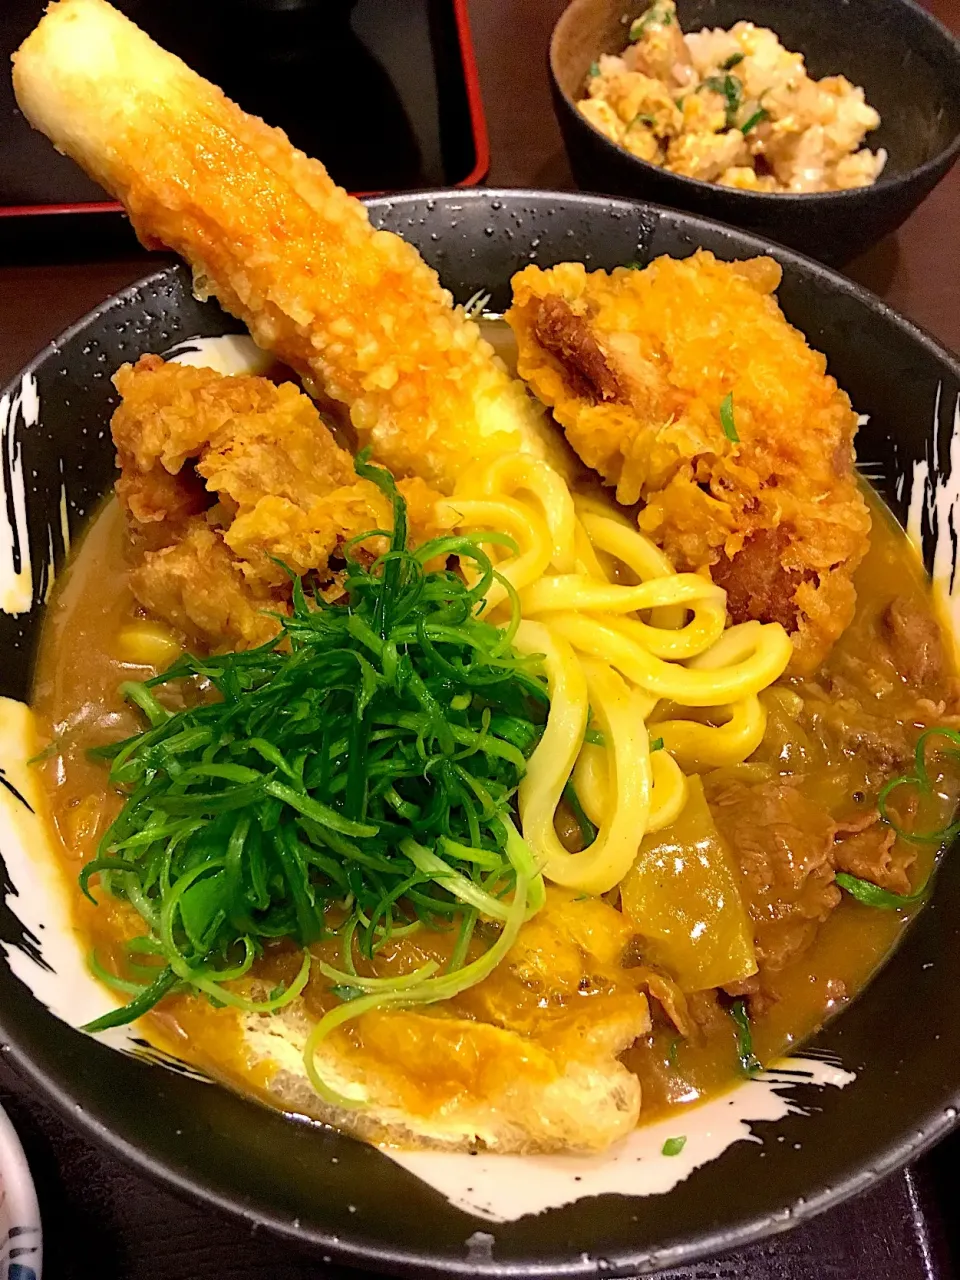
pixel 334 1195
pixel 906 61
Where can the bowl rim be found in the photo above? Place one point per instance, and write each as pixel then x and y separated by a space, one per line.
pixel 921 1136
pixel 796 199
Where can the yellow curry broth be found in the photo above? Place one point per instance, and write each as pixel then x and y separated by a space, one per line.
pixel 572 965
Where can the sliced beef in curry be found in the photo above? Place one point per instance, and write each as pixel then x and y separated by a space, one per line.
pixel 886 680
pixel 783 845
pixel 914 641
pixel 870 850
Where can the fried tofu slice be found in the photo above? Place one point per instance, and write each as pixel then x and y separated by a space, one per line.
pixel 279 244
pixel 527 1061
pixel 684 386
pixel 223 476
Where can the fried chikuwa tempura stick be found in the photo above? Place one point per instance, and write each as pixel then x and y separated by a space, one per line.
pixel 269 234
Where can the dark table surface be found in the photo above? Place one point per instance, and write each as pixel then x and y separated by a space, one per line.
pixel 102 1220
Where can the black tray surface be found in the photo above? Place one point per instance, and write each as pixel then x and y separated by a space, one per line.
pixel 381 90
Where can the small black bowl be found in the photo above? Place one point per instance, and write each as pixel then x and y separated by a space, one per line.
pixel 908 64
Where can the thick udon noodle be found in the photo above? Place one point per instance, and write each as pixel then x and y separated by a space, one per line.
pixel 614 654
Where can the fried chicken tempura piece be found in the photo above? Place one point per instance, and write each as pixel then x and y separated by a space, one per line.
pixel 220 477
pixel 271 236
pixel 641 368
pixel 196 585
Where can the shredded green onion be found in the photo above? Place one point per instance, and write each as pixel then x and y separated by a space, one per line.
pixel 476 304
pixel 352 779
pixel 673 1146
pixel 111 980
pixel 749 1062
pixel 733 61
pixel 751 122
pixel 872 895
pixel 727 419
pixel 588 832
pixel 866 891
pixel 920 779
pixel 731 90
pixel 141 1004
